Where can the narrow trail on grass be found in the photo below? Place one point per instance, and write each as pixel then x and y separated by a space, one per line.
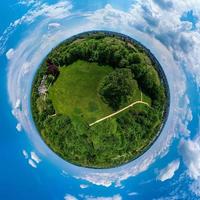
pixel 119 111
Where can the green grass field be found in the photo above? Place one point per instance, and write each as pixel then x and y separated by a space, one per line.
pixel 75 92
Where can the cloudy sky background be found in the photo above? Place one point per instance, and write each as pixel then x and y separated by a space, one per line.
pixel 171 30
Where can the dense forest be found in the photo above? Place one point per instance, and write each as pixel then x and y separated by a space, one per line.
pixel 114 141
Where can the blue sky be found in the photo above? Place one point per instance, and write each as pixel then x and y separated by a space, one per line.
pixel 170 169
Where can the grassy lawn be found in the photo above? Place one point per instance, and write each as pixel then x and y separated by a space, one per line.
pixel 75 92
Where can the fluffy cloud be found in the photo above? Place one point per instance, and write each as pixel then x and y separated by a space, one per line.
pixel 32 163
pixel 190 151
pixel 26 68
pixel 69 197
pixel 19 127
pixel 24 152
pixel 174 33
pixel 169 171
pixel 35 157
pixel 102 179
pixel 53 25
pixel 132 194
pixel 10 53
pixel 33 160
pixel 109 16
pixel 28 2
pixel 82 186
pixel 17 104
pixel 59 10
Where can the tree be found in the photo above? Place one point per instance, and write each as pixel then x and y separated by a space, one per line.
pixel 52 69
pixel 134 58
pixel 117 87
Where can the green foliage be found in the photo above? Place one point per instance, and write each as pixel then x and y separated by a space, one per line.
pixel 117 87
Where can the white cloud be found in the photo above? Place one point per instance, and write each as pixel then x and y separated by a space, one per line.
pixel 83 186
pixel 24 152
pixel 168 172
pixel 132 194
pixel 69 197
pixel 34 160
pixel 103 179
pixel 59 10
pixel 115 197
pixel 190 151
pixel 28 2
pixel 35 157
pixel 17 104
pixel 10 53
pixel 32 163
pixel 19 127
pixel 53 25
pixel 109 16
pixel 26 68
